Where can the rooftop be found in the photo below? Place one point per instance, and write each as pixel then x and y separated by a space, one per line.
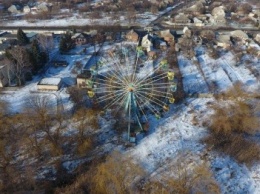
pixel 50 81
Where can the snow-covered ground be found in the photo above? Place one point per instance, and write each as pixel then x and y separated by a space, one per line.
pixel 180 129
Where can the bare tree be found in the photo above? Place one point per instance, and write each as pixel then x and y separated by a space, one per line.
pixel 20 59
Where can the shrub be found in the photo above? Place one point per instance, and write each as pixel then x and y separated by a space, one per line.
pixel 233 125
pixel 184 178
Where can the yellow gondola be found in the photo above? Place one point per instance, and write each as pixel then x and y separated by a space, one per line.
pixel 171 100
pixel 91 93
pixel 170 75
pixel 166 108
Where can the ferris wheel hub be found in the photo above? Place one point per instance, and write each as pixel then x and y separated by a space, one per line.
pixel 131 87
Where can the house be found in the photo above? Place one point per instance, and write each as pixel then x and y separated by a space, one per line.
pixel 4 36
pixel 218 20
pixel 3 78
pixel 223 40
pixel 167 36
pixel 31 36
pixel 42 7
pixel 257 37
pixel 239 34
pixel 84 80
pixel 147 41
pixel 132 36
pixel 163 45
pixel 196 9
pixel 198 22
pixel 26 9
pixel 14 9
pixel 81 38
pixel 181 18
pixel 52 84
pixel 218 11
pixel 152 54
pixel 3 48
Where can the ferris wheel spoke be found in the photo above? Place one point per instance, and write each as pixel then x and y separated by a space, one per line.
pixel 153 79
pixel 148 105
pixel 139 105
pixel 149 99
pixel 153 93
pixel 143 79
pixel 116 100
pixel 113 96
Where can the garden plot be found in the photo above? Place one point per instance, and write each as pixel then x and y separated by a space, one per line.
pixel 193 81
pixel 214 73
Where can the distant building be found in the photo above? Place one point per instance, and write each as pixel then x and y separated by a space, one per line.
pixel 132 36
pixel 14 9
pixel 167 35
pixel 52 84
pixel 223 40
pixel 239 34
pixel 31 36
pixel 3 77
pixel 181 18
pixel 80 38
pixel 26 9
pixel 4 36
pixel 84 80
pixel 147 41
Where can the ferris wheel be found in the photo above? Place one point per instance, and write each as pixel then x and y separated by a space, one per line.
pixel 129 81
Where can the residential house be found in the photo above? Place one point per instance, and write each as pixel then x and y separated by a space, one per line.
pixel 84 80
pixel 14 9
pixel 196 9
pixel 257 37
pixel 181 18
pixel 3 48
pixel 223 40
pixel 218 20
pixel 26 9
pixel 147 41
pixel 4 36
pixel 218 11
pixel 132 36
pixel 152 54
pixel 3 78
pixel 52 84
pixel 163 45
pixel 80 38
pixel 239 34
pixel 198 22
pixel 167 36
pixel 31 36
pixel 43 7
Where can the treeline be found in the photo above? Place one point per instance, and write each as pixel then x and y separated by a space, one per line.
pixel 37 138
pixel 24 58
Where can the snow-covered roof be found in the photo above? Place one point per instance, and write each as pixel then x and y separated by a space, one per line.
pixel 50 81
pixel 239 34
pixel 218 11
pixel 31 34
pixel 224 38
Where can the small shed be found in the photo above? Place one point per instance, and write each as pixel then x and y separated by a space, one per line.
pixel 84 80
pixel 31 36
pixel 52 84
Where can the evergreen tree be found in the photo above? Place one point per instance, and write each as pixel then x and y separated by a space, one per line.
pixel 66 43
pixel 37 57
pixel 21 37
